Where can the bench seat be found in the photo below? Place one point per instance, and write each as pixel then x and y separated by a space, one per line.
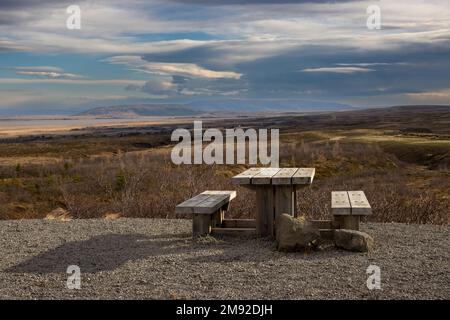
pixel 347 207
pixel 207 209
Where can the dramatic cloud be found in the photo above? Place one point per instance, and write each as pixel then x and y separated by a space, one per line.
pixel 154 87
pixel 178 69
pixel 254 49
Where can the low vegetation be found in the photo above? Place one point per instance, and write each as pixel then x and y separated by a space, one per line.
pixel 404 175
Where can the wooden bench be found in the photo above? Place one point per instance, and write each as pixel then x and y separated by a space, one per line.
pixel 347 207
pixel 207 209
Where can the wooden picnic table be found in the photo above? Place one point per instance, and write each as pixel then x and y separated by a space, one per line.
pixel 275 192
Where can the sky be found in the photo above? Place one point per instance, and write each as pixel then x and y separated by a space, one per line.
pixel 178 51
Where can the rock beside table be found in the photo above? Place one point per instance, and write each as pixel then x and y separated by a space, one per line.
pixel 298 234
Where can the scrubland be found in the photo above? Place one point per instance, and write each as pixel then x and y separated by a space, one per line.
pixel 403 170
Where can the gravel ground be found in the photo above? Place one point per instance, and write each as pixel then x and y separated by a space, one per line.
pixel 157 259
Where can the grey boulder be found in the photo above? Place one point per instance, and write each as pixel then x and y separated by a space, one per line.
pixel 294 234
pixel 353 240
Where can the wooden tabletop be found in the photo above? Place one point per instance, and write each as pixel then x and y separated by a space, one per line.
pixel 275 176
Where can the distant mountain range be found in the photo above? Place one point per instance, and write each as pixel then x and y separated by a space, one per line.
pixel 127 111
pixel 213 107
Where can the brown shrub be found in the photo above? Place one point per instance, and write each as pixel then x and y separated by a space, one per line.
pixel 149 185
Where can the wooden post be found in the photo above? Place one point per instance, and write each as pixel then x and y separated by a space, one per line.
pixel 284 200
pixel 201 224
pixel 217 218
pixel 348 222
pixel 264 210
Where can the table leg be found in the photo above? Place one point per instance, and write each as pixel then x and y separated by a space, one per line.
pixel 284 200
pixel 264 211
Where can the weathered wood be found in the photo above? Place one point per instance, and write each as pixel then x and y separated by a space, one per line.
pixel 340 203
pixel 231 194
pixel 347 222
pixel 276 176
pixel 207 202
pixel 264 176
pixel 304 176
pixel 284 176
pixel 264 210
pixel 207 209
pixel 201 224
pixel 239 223
pixel 284 201
pixel 234 231
pixel 189 205
pixel 359 203
pixel 217 218
pixel 245 177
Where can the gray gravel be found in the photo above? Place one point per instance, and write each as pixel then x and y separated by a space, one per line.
pixel 149 258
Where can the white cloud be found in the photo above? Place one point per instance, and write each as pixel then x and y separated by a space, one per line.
pixel 51 75
pixel 170 69
pixel 437 96
pixel 45 72
pixel 364 64
pixel 344 70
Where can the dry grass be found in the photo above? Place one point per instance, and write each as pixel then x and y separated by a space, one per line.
pixel 147 184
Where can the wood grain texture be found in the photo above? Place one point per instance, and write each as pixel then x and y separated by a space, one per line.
pixel 347 222
pixel 201 224
pixel 340 203
pixel 284 201
pixel 246 176
pixel 359 203
pixel 264 176
pixel 207 202
pixel 304 176
pixel 264 211
pixel 284 176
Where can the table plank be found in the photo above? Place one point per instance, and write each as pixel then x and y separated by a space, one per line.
pixel 284 176
pixel 264 176
pixel 359 203
pixel 304 176
pixel 340 203
pixel 246 176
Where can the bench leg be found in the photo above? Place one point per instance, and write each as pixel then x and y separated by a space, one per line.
pixel 201 224
pixel 217 218
pixel 347 222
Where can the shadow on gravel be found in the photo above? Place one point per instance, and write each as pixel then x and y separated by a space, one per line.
pixel 110 251
pixel 104 252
